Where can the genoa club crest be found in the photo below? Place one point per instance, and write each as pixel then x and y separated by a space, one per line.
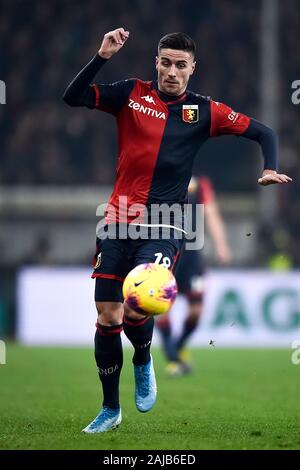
pixel 190 113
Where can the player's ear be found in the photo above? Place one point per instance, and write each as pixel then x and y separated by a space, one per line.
pixel 193 67
pixel 156 62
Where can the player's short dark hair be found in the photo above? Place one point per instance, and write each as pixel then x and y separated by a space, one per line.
pixel 180 41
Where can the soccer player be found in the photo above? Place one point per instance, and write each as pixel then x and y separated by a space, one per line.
pixel 190 276
pixel 161 126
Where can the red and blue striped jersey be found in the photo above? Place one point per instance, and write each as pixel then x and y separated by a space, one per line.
pixel 159 137
pixel 158 140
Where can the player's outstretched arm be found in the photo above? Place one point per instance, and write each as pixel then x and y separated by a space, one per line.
pixel 79 92
pixel 267 139
pixel 226 121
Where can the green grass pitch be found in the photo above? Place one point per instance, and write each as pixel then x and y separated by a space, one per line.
pixel 236 399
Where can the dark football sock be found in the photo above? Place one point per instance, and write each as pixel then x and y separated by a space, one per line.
pixel 190 325
pixel 109 359
pixel 139 333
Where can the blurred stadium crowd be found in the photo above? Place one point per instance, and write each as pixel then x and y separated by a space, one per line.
pixel 43 45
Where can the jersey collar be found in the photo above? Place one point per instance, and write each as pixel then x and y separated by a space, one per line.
pixel 168 99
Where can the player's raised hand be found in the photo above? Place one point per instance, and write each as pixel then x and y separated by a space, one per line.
pixel 272 177
pixel 112 42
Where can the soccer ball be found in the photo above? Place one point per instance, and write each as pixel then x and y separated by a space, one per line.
pixel 150 289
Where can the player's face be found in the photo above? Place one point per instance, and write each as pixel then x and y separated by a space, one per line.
pixel 174 69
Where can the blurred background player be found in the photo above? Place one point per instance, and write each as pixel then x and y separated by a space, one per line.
pixel 190 277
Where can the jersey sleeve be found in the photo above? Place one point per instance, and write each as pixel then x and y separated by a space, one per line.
pixel 111 97
pixel 205 190
pixel 226 121
pixel 82 91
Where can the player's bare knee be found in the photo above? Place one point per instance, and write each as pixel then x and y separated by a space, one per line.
pixel 110 313
pixel 131 313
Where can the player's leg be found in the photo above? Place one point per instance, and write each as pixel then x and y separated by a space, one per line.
pixel 139 329
pixel 190 284
pixel 109 360
pixel 163 325
pixel 109 272
pixel 108 349
pixel 195 309
pixel 189 326
pixel 194 293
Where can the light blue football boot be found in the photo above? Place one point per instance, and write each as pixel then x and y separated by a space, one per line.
pixel 107 419
pixel 145 386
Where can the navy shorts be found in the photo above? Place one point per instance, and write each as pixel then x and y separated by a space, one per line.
pixel 190 275
pixel 114 258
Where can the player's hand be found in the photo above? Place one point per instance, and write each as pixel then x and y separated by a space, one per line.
pixel 272 177
pixel 113 42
